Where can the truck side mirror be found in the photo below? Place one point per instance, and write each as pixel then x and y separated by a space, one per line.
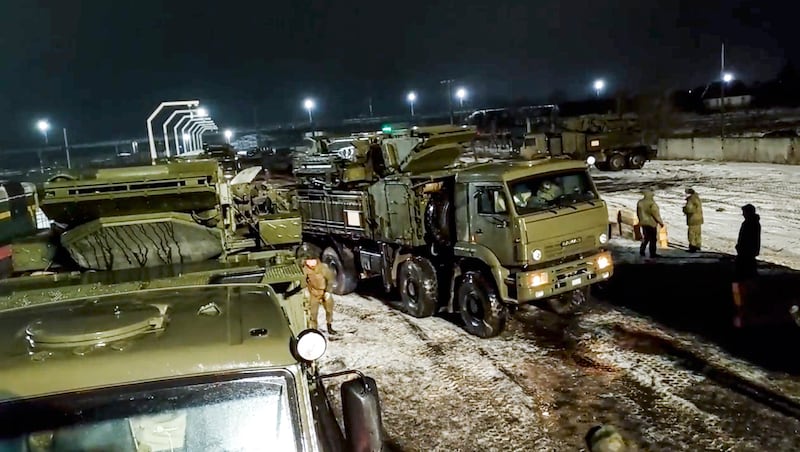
pixel 361 408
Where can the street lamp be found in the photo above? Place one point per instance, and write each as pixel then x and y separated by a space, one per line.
pixel 412 97
pixel 727 77
pixel 43 127
pixel 309 105
pixel 194 132
pixel 461 94
pixel 176 103
pixel 205 128
pixel 599 85
pixel 228 135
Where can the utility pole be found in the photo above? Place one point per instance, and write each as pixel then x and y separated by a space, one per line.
pixel 449 84
pixel 722 95
pixel 66 148
pixel 371 114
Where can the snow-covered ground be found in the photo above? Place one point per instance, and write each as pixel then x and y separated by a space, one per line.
pixel 545 381
pixel 724 188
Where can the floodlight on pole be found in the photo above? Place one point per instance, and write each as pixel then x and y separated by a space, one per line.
pixel 727 77
pixel 461 94
pixel 228 135
pixel 176 103
pixel 43 125
pixel 309 105
pixel 166 135
pixel 411 97
pixel 599 85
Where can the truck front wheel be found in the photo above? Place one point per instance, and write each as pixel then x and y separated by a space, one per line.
pixel 418 288
pixel 482 311
pixel 344 279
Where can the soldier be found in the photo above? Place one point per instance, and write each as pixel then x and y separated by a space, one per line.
pixel 748 246
pixel 548 191
pixel 649 219
pixel 316 293
pixel 694 219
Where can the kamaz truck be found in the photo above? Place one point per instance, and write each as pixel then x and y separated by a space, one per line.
pixel 479 239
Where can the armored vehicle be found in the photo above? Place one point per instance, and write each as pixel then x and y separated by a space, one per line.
pixel 478 239
pixel 221 364
pixel 176 212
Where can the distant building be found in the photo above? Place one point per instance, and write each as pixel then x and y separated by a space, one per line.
pixel 737 95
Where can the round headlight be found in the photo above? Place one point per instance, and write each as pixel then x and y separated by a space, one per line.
pixel 603 238
pixel 590 160
pixel 310 345
pixel 536 255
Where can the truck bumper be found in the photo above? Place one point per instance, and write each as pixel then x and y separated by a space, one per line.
pixel 550 281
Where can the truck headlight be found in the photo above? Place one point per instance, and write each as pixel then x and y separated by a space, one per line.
pixel 603 262
pixel 590 160
pixel 537 279
pixel 310 345
pixel 536 255
pixel 603 239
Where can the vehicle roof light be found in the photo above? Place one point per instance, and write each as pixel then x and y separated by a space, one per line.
pixel 310 345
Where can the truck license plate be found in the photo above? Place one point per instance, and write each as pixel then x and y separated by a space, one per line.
pixel 576 282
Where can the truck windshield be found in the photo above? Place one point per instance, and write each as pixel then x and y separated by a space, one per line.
pixel 551 191
pixel 242 415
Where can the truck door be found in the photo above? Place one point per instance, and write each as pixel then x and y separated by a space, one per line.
pixel 398 206
pixel 489 220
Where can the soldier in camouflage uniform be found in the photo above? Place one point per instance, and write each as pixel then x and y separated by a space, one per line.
pixel 694 219
pixel 316 293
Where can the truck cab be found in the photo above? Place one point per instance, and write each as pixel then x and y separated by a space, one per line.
pixel 224 365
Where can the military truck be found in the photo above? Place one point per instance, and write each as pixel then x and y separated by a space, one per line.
pixel 479 239
pixel 610 143
pixel 175 212
pixel 219 360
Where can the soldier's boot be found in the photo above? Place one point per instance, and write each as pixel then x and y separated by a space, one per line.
pixel 331 330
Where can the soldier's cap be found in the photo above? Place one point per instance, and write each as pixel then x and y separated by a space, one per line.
pixel 311 263
pixel 689 191
pixel 605 438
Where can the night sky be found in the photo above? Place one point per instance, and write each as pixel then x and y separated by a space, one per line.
pixel 99 67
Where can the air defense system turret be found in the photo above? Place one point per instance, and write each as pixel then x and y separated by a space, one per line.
pixel 478 239
pixel 175 212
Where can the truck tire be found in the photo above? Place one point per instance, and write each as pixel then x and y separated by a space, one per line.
pixel 418 287
pixel 343 267
pixel 482 311
pixel 602 166
pixel 570 302
pixel 439 221
pixel 616 162
pixel 636 160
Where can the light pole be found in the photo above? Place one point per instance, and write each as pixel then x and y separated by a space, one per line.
pixel 175 133
pixel 205 128
pixel 185 131
pixel 461 94
pixel 186 138
pixel 411 98
pixel 43 125
pixel 228 135
pixel 193 135
pixel 599 85
pixel 309 105
pixel 175 103
pixel 449 84
pixel 197 132
pixel 164 127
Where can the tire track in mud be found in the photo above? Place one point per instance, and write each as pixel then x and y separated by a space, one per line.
pixel 502 413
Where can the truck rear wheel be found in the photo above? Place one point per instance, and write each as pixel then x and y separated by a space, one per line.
pixel 569 303
pixel 616 162
pixel 344 279
pixel 482 311
pixel 418 287
pixel 636 160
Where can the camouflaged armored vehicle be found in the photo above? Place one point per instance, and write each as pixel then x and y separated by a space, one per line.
pixel 479 239
pixel 200 362
pixel 175 212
